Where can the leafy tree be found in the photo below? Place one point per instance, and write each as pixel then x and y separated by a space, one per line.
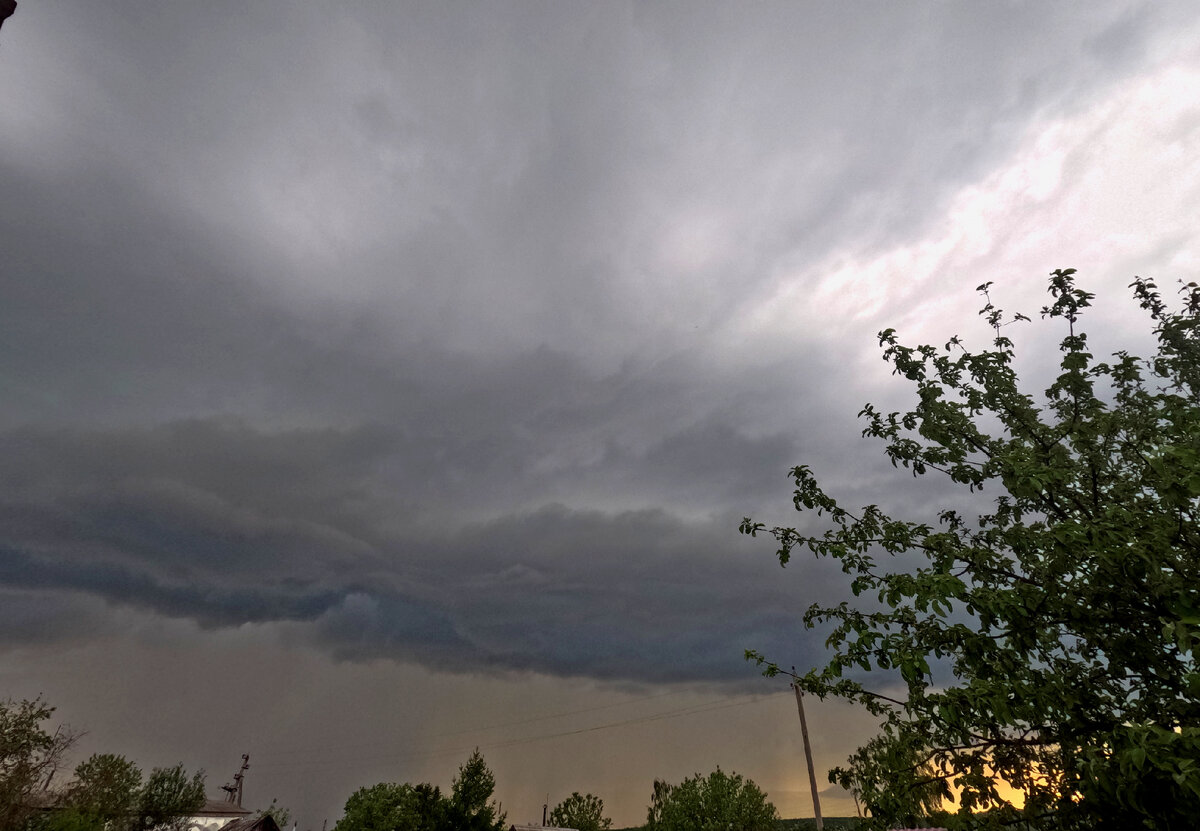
pixel 374 808
pixel 281 815
pixel 719 802
pixel 583 813
pixel 391 807
pixel 168 798
pixel 896 780
pixel 29 756
pixel 106 787
pixel 107 794
pixel 65 818
pixel 395 807
pixel 1052 641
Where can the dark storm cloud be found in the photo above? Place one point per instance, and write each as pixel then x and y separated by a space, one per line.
pixel 50 618
pixel 224 526
pixel 403 327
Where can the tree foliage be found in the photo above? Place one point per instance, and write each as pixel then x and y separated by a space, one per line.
pixel 106 788
pixel 717 802
pixel 394 807
pixel 168 798
pixel 1050 642
pixel 277 812
pixel 581 812
pixel 29 756
pixel 404 807
pixel 106 793
pixel 471 806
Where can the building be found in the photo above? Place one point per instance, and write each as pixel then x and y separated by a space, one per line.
pixel 215 814
pixel 262 823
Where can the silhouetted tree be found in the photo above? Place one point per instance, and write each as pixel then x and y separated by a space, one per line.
pixel 581 812
pixel 1050 642
pixel 404 807
pixel 717 802
pixel 30 755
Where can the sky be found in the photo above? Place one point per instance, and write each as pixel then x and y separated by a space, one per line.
pixel 379 381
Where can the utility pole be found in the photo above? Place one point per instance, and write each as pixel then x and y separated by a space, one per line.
pixel 235 790
pixel 812 774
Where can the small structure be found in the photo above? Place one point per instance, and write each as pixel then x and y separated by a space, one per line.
pixel 215 814
pixel 265 822
pixel 537 828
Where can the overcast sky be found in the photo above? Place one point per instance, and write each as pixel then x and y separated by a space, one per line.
pixel 378 381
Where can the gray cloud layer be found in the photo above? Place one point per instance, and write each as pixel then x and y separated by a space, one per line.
pixel 403 326
pixel 225 525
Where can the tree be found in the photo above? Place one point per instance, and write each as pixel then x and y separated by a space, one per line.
pixel 168 798
pixel 896 780
pixel 583 813
pixel 29 756
pixel 391 807
pixel 65 818
pixel 106 793
pixel 471 802
pixel 395 807
pixel 719 802
pixel 1051 643
pixel 106 788
pixel 281 815
pixel 374 808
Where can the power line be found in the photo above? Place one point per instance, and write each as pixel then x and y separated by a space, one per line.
pixel 483 729
pixel 694 709
pixel 393 757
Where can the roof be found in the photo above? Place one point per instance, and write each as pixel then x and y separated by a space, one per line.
pixel 530 828
pixel 220 808
pixel 261 823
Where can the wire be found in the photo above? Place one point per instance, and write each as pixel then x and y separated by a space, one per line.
pixel 485 728
pixel 694 709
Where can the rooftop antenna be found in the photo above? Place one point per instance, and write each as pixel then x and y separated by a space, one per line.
pixel 235 790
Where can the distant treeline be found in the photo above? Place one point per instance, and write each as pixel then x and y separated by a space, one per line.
pixel 831 824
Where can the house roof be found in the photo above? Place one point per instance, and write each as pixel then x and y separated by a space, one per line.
pixel 261 823
pixel 220 808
